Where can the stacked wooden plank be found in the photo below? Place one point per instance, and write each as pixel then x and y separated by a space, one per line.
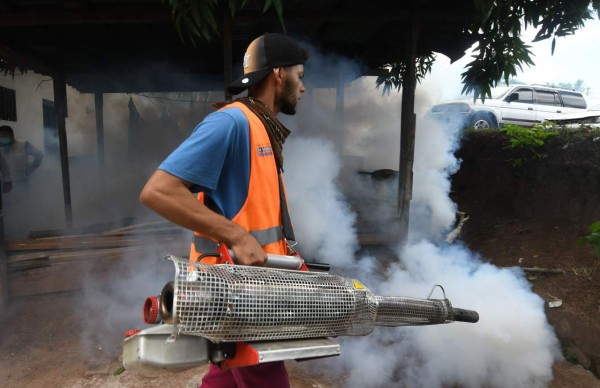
pixel 56 264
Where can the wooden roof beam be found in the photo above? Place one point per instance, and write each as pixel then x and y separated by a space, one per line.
pixel 22 19
pixel 27 62
pixel 162 16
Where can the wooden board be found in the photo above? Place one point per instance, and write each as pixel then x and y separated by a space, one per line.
pixel 89 242
pixel 61 277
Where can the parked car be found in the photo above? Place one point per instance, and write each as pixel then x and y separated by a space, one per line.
pixel 523 105
pixel 589 119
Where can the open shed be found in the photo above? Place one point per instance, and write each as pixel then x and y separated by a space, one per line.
pixel 110 46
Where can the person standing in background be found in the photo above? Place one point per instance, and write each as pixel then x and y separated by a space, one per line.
pixel 21 208
pixel 22 157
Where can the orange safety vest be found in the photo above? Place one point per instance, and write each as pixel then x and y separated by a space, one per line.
pixel 260 214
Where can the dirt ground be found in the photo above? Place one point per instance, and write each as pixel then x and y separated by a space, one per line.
pixel 41 346
pixel 530 217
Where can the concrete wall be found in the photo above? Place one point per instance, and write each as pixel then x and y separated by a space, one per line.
pixel 129 161
pixel 30 90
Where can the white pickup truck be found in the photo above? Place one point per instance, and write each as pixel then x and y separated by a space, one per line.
pixel 523 105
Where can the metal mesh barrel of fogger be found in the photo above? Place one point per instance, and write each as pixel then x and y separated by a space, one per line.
pixel 405 311
pixel 238 303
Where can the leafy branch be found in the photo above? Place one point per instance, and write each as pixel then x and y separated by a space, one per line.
pixel 593 238
pixel 195 19
pixel 397 71
pixel 528 139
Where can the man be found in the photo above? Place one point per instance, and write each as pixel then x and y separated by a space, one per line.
pixel 233 160
pixel 21 157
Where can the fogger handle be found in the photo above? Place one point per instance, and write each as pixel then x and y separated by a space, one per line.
pixel 294 262
pixel 277 261
pixel 462 315
pixel 288 262
pixel 284 262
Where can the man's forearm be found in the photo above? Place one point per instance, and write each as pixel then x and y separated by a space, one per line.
pixel 170 197
pixel 36 154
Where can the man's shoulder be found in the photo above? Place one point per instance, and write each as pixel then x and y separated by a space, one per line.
pixel 19 146
pixel 229 111
pixel 230 119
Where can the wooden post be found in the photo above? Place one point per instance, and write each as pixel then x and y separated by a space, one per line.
pixel 99 105
pixel 408 128
pixel 60 104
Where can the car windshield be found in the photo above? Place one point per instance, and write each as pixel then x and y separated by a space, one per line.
pixel 499 92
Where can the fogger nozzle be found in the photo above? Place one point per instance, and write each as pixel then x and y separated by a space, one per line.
pixel 166 302
pixel 226 303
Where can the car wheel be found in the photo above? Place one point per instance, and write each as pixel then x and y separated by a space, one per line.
pixel 483 121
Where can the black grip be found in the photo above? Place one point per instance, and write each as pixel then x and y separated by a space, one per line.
pixel 462 315
pixel 314 266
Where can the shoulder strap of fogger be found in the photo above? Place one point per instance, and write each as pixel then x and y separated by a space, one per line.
pixel 288 230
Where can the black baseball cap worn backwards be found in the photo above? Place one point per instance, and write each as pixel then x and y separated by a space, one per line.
pixel 265 53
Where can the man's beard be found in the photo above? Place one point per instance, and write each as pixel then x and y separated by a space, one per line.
pixel 288 106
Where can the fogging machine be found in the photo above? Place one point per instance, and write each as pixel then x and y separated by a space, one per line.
pixel 235 316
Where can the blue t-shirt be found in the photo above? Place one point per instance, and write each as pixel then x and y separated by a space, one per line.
pixel 215 159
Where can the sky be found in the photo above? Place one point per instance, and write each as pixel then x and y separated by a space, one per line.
pixel 575 57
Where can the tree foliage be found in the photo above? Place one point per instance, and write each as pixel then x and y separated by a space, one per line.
pixel 593 238
pixel 528 140
pixel 397 71
pixel 196 19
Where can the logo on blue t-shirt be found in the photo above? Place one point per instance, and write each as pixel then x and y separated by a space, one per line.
pixel 264 150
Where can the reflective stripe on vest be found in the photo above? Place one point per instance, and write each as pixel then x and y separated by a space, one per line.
pixel 260 214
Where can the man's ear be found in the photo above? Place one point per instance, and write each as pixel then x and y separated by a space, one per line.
pixel 278 71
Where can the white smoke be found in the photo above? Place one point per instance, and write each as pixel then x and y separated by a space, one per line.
pixel 432 211
pixel 512 344
pixel 316 205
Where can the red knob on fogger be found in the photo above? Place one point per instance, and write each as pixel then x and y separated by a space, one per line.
pixel 150 311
